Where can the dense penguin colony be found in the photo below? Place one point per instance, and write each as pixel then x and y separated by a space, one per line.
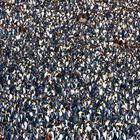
pixel 70 70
